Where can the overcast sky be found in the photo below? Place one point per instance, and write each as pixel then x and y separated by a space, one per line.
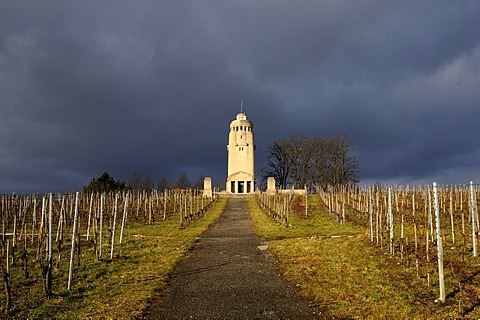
pixel 151 86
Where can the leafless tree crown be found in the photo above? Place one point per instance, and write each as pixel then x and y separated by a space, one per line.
pixel 312 162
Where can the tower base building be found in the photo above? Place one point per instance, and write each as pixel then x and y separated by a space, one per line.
pixel 240 183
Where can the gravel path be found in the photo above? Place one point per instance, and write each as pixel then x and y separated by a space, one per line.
pixel 229 275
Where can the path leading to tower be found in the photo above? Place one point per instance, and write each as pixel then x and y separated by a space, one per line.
pixel 229 275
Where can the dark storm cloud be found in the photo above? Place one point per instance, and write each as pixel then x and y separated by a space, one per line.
pixel 151 86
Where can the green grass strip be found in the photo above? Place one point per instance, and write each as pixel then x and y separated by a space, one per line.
pixel 120 288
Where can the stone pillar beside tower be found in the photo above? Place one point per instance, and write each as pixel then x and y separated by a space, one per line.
pixel 271 189
pixel 207 187
pixel 241 152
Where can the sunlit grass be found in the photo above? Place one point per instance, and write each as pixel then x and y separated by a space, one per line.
pixel 319 223
pixel 340 274
pixel 118 288
pixel 335 266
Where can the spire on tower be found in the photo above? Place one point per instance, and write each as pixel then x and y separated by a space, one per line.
pixel 241 107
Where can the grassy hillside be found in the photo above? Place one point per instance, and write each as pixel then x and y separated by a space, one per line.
pixel 335 266
pixel 113 289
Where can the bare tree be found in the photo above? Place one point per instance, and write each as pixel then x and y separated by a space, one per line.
pixel 312 162
pixel 163 183
pixel 182 181
pixel 279 162
pixel 199 183
pixel 137 182
pixel 303 152
pixel 147 183
pixel 344 167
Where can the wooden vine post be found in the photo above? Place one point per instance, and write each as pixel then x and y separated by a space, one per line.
pixel 34 218
pixel 306 202
pixel 370 212
pixel 74 235
pixel 474 223
pixel 441 280
pixel 165 205
pixel 180 212
pixel 452 222
pixel 100 235
pixel 89 215
pixel 48 278
pixel 6 279
pixel 430 220
pixel 415 233
pixel 114 225
pixel 40 231
pixel 390 219
pixel 124 217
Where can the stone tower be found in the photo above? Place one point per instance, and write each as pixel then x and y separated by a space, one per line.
pixel 241 176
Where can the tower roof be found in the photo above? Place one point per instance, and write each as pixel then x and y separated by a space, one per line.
pixel 241 120
pixel 241 116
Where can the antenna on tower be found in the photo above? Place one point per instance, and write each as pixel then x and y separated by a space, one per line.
pixel 241 107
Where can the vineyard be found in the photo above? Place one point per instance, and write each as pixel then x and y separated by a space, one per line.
pixel 49 240
pixel 61 248
pixel 430 231
pixel 426 228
